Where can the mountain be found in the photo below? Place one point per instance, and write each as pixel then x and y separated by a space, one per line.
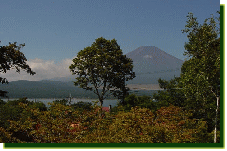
pixel 44 89
pixel 151 63
pixel 63 79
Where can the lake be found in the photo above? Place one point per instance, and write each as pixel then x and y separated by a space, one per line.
pixel 106 103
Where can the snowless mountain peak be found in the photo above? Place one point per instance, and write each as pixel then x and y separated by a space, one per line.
pixel 151 63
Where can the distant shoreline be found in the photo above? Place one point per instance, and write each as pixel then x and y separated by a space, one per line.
pixel 56 91
pixel 144 87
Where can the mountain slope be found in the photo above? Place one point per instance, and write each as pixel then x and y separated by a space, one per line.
pixel 44 89
pixel 151 63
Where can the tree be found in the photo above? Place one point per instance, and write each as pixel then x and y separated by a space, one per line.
pixel 200 74
pixel 172 93
pixel 11 57
pixel 133 100
pixel 82 106
pixel 198 87
pixel 103 69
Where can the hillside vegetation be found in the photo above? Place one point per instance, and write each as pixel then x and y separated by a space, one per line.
pixel 84 123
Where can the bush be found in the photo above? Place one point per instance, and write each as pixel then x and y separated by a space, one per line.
pixel 81 106
pixel 63 102
pixel 11 110
pixel 62 124
pixel 140 101
pixel 139 125
pixel 2 102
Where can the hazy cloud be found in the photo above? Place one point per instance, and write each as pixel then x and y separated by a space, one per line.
pixel 45 69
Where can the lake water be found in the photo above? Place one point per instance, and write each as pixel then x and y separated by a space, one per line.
pixel 106 103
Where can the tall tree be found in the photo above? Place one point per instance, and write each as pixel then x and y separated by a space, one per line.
pixel 102 68
pixel 12 58
pixel 198 87
pixel 200 75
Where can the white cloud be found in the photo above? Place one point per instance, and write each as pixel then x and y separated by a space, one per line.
pixel 45 69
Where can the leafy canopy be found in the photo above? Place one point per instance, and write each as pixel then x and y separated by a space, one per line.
pixel 12 58
pixel 62 124
pixel 102 68
pixel 198 86
pixel 200 75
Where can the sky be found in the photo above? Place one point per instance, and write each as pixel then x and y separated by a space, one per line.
pixel 55 31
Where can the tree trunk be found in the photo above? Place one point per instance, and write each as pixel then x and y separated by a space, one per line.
pixel 215 129
pixel 101 103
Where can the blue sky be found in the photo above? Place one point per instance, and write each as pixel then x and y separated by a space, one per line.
pixel 57 30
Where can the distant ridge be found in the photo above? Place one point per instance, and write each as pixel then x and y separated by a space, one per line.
pixel 151 63
pixel 60 90
pixel 44 89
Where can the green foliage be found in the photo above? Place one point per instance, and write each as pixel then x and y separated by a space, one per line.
pixel 40 105
pixel 11 110
pixel 133 100
pixel 161 99
pixel 132 127
pixel 62 124
pixel 170 125
pixel 49 126
pixel 11 57
pixel 2 102
pixel 198 86
pixel 172 93
pixel 175 126
pixel 6 137
pixel 200 75
pixel 81 106
pixel 63 102
pixel 102 67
